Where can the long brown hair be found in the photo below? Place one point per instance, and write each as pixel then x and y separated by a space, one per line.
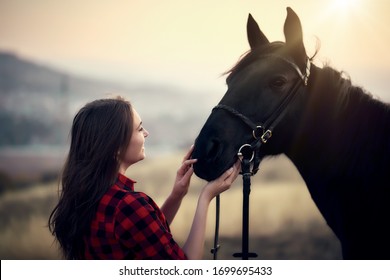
pixel 100 132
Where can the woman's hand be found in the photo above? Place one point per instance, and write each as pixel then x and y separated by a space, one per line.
pixel 221 184
pixel 180 187
pixel 183 175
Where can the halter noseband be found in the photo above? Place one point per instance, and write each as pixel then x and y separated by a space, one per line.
pixel 263 132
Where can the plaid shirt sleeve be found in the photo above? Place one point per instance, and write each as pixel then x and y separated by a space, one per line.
pixel 140 225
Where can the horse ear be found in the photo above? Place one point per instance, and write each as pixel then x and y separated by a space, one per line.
pixel 256 38
pixel 294 38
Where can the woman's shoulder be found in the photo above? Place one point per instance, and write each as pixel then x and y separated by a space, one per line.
pixel 124 194
pixel 133 204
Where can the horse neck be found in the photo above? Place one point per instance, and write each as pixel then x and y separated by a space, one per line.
pixel 339 128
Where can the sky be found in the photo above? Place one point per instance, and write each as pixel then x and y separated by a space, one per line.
pixel 189 44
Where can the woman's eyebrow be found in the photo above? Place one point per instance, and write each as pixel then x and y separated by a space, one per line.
pixel 139 125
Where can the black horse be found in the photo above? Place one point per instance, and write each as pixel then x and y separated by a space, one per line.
pixel 336 134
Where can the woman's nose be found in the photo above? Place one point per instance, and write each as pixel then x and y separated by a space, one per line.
pixel 146 133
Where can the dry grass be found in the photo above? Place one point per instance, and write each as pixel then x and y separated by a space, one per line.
pixel 23 219
pixel 284 222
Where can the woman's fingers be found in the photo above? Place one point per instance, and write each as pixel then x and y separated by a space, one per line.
pixel 231 174
pixel 226 174
pixel 187 175
pixel 224 181
pixel 189 153
pixel 189 162
pixel 185 166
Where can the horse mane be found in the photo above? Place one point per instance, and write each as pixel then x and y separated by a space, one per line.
pixel 357 125
pixel 338 86
pixel 336 89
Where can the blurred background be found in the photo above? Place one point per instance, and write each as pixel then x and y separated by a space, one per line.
pixel 168 57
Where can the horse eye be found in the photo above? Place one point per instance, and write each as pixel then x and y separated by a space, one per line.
pixel 278 82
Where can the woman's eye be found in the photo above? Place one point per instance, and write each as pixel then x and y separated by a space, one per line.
pixel 278 82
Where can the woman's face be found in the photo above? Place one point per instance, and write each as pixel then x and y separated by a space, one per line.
pixel 135 150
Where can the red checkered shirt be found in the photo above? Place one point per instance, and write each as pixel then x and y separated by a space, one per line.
pixel 129 225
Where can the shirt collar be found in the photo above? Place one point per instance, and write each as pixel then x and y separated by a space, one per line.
pixel 126 182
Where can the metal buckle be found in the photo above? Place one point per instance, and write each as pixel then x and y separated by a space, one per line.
pixel 266 136
pixel 244 153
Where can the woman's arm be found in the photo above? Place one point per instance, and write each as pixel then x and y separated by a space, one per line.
pixel 194 245
pixel 180 187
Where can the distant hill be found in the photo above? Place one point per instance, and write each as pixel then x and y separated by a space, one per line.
pixel 37 104
pixel 20 75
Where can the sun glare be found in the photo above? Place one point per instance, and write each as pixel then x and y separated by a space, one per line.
pixel 344 5
pixel 344 9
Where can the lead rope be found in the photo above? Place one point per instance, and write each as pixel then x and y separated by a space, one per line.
pixel 246 178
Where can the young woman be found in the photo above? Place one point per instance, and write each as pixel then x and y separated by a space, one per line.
pixel 99 214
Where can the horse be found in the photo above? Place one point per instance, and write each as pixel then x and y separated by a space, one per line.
pixel 336 134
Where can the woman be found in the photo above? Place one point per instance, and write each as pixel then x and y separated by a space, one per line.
pixel 99 214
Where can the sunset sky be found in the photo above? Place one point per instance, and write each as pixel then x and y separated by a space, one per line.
pixel 190 43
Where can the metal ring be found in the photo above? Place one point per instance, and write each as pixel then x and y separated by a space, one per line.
pixel 254 132
pixel 240 154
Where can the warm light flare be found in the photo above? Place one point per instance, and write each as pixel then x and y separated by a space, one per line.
pixel 344 5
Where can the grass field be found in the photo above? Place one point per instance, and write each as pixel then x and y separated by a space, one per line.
pixel 284 222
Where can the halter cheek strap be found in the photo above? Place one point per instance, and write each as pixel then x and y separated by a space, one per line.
pixel 304 76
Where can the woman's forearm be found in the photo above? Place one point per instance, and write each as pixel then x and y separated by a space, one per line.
pixel 180 188
pixel 171 206
pixel 194 245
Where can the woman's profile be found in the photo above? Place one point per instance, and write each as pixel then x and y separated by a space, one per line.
pixel 100 214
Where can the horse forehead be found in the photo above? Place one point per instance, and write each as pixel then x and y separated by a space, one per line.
pixel 265 65
pixel 256 73
pixel 272 63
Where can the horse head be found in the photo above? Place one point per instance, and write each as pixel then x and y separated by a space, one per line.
pixel 258 87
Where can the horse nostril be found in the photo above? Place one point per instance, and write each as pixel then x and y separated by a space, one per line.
pixel 213 149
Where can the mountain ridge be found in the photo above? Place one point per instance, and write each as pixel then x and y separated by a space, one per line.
pixel 38 102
